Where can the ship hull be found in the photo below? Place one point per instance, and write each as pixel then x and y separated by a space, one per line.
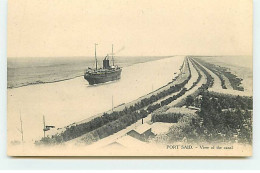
pixel 103 78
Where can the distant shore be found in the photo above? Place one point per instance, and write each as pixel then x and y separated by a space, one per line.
pixel 41 82
pixel 23 72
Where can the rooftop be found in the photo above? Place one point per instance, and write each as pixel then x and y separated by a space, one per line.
pixel 128 141
pixel 143 128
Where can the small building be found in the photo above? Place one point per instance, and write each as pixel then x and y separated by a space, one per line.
pixel 114 145
pixel 142 132
pixel 125 142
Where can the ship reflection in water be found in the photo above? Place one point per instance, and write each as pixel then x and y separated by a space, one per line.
pixel 105 74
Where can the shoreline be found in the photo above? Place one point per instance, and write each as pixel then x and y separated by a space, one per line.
pixel 73 99
pixel 70 78
pixel 40 82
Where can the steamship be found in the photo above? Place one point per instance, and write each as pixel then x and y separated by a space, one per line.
pixel 105 74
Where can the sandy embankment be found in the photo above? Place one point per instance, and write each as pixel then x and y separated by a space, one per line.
pixel 194 77
pixel 240 66
pixel 70 101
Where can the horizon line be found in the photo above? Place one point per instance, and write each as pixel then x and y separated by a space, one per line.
pixel 123 56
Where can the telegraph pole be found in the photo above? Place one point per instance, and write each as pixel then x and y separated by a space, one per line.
pixel 43 126
pixel 112 103
pixel 21 125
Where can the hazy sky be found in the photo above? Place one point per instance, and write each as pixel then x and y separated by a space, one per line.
pixel 44 28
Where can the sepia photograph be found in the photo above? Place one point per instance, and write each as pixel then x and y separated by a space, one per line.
pixel 130 78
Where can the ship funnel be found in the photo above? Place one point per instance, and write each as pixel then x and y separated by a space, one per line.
pixel 106 63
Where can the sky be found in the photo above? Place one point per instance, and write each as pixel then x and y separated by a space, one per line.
pixel 58 28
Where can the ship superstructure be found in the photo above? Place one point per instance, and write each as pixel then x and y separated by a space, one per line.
pixel 105 74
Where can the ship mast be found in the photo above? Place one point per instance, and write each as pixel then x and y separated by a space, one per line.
pixel 113 56
pixel 96 55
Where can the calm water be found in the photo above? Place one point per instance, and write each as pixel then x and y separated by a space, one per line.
pixel 28 71
pixel 69 101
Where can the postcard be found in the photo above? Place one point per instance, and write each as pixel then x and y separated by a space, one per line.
pixel 130 78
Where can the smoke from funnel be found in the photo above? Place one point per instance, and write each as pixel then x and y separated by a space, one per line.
pixel 120 50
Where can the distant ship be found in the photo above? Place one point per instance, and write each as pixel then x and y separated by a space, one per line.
pixel 105 74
